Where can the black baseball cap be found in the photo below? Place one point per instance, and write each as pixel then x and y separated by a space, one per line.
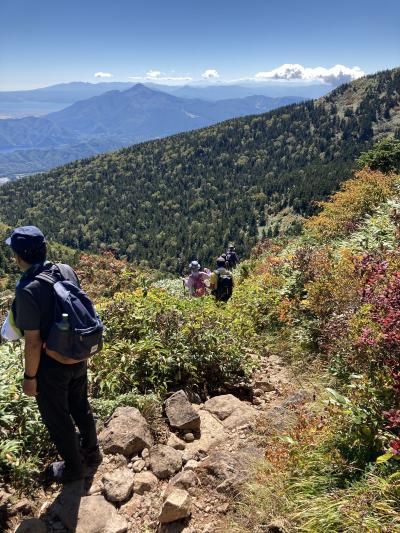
pixel 25 239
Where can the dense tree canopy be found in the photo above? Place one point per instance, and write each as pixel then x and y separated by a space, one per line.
pixel 165 202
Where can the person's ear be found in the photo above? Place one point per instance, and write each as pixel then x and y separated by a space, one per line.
pixel 17 260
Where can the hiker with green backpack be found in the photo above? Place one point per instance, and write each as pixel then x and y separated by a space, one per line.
pixel 221 282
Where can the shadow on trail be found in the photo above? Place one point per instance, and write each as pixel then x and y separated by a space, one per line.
pixel 66 506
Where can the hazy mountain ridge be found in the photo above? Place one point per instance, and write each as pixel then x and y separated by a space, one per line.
pixel 164 201
pixel 112 120
pixel 38 102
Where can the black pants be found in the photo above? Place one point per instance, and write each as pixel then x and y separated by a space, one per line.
pixel 62 400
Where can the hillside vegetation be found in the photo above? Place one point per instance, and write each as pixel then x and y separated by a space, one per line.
pixel 113 120
pixel 328 300
pixel 334 299
pixel 165 202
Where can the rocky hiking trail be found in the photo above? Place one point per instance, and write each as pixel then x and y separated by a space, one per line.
pixel 181 478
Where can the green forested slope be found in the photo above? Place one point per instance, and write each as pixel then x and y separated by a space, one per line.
pixel 165 202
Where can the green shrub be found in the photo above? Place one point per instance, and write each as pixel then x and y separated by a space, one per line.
pixel 157 342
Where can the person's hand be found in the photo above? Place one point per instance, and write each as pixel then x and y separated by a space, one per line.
pixel 29 387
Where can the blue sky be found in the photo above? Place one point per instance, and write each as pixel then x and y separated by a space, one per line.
pixel 43 42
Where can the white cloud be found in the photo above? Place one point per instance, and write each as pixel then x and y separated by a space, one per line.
pixel 158 76
pixel 210 74
pixel 103 75
pixel 295 72
pixel 153 74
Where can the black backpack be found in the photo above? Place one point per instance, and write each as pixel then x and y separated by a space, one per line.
pixel 224 285
pixel 83 336
pixel 231 259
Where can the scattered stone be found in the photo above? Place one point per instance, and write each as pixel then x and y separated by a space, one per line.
pixel 191 465
pixel 184 480
pixel 257 401
pixel 144 482
pixel 127 432
pixel 32 525
pixel 223 509
pixel 230 486
pixel 189 437
pixel 220 465
pixel 118 485
pixel 132 506
pixel 176 506
pixel 230 410
pixel 187 456
pixel 297 398
pixel 175 442
pixel 145 453
pixel 264 385
pixel 180 413
pixel 138 466
pixel 24 507
pixel 258 392
pixel 165 461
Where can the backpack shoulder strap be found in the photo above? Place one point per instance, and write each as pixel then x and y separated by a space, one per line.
pixel 48 277
pixel 58 273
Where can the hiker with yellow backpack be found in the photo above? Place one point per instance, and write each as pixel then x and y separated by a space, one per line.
pixel 221 281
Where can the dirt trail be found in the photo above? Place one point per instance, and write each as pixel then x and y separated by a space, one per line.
pixel 213 463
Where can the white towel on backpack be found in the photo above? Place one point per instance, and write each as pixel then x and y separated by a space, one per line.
pixel 9 330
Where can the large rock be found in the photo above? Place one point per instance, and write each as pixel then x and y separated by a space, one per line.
pixel 89 514
pixel 220 465
pixel 184 480
pixel 127 432
pixel 118 485
pixel 164 461
pixel 176 506
pixel 212 433
pixel 230 410
pixel 222 406
pixel 180 412
pixel 144 482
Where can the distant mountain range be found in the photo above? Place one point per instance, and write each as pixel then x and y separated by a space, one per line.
pixel 38 102
pixel 165 201
pixel 112 120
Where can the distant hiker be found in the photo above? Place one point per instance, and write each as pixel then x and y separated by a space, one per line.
pixel 196 281
pixel 226 262
pixel 221 282
pixel 56 377
pixel 232 258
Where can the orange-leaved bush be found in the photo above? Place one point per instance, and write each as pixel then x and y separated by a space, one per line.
pixel 358 197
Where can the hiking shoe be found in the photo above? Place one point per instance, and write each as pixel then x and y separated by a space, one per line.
pixel 60 473
pixel 93 458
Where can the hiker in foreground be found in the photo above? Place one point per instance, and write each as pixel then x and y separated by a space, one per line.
pixel 196 281
pixel 221 282
pixel 59 336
